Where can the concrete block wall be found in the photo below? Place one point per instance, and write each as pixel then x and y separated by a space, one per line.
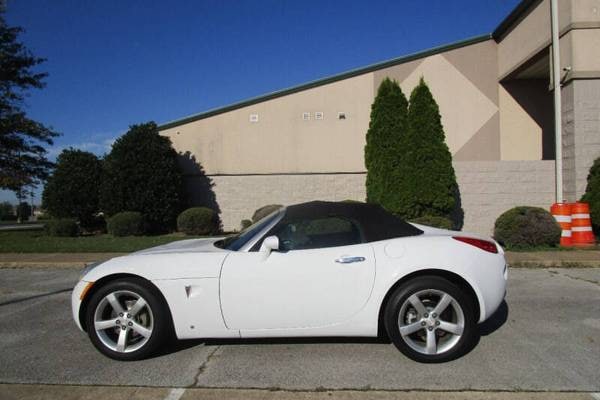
pixel 581 134
pixel 587 130
pixel 238 196
pixel 487 188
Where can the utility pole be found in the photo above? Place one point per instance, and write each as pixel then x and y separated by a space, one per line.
pixel 557 100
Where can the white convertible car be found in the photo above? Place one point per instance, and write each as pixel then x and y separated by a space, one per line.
pixel 313 269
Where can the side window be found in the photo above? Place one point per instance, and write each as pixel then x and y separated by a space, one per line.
pixel 318 233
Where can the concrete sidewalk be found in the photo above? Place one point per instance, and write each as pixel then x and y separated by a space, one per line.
pixel 537 259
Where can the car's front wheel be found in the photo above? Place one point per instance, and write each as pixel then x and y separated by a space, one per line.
pixel 127 319
pixel 430 319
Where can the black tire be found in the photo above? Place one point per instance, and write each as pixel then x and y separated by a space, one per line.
pixel 160 316
pixel 435 284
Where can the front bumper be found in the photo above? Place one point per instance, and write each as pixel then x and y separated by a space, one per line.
pixel 76 301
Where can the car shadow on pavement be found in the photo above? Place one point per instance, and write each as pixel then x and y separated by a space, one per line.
pixel 295 340
pixel 497 320
pixel 487 327
pixel 174 346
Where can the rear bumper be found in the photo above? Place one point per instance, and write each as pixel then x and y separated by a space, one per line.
pixel 493 287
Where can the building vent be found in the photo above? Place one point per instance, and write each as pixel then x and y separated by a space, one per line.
pixel 306 116
pixel 341 115
pixel 319 115
pixel 253 118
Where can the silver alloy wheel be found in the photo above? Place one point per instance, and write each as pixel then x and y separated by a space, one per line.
pixel 431 322
pixel 123 321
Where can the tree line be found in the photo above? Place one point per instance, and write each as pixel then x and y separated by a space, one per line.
pixel 141 173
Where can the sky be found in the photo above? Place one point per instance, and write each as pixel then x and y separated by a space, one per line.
pixel 115 63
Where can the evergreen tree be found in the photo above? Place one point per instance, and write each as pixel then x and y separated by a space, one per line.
pixel 23 161
pixel 592 195
pixel 429 185
pixel 387 126
pixel 142 174
pixel 73 188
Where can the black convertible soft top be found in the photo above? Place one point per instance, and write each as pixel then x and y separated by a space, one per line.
pixel 377 223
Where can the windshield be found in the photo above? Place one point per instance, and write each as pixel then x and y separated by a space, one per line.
pixel 237 241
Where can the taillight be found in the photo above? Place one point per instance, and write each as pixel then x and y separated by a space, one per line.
pixel 482 244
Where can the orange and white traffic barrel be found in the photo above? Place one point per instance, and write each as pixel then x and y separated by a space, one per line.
pixel 581 225
pixel 562 214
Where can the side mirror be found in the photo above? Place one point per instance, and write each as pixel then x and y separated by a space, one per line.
pixel 269 244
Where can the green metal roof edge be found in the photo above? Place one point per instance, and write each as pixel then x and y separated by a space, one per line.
pixel 325 81
pixel 508 23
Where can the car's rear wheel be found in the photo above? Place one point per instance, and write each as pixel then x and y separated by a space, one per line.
pixel 127 319
pixel 430 319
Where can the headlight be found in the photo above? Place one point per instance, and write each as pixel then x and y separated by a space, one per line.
pixel 88 268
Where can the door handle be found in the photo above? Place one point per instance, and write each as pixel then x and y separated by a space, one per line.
pixel 349 259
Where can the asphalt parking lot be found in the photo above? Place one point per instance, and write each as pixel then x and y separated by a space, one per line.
pixel 546 338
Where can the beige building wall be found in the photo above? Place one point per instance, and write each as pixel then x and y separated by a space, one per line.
pixel 496 138
pixel 579 21
pixel 532 33
pixel 526 39
pixel 583 52
pixel 281 141
pixel 521 137
pixel 463 82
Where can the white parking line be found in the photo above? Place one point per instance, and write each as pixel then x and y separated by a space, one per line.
pixel 175 394
pixel 595 395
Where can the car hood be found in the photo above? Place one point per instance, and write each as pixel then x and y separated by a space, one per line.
pixel 192 258
pixel 184 246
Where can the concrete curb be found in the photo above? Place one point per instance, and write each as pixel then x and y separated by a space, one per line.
pixel 554 259
pixel 52 260
pixel 42 265
pixel 28 391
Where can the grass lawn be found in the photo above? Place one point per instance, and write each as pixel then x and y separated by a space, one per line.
pixel 39 242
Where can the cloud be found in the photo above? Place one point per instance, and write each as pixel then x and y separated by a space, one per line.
pixel 98 144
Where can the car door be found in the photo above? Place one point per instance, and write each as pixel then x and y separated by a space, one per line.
pixel 321 275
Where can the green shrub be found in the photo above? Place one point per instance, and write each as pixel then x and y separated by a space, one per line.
pixel 246 223
pixel 62 227
pixel 264 211
pixel 592 195
pixel 72 189
pixel 9 218
pixel 7 212
pixel 523 227
pixel 127 223
pixel 434 221
pixel 197 221
pixel 142 173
